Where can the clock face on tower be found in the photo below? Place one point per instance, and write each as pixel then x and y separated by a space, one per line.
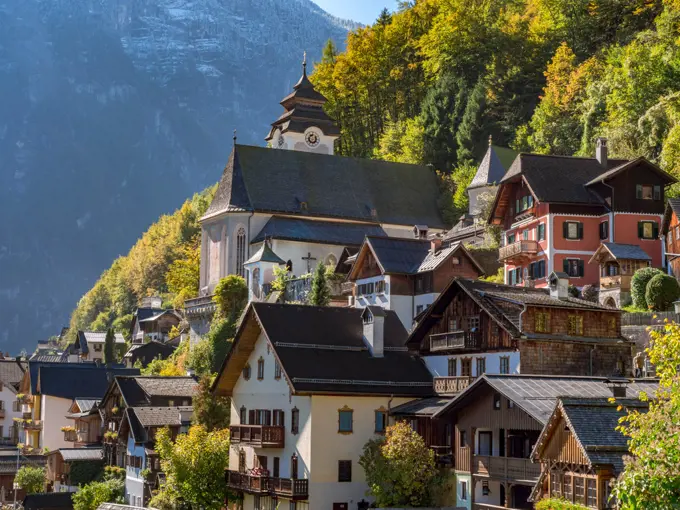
pixel 312 139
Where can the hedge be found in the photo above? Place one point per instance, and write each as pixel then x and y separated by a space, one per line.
pixel 558 504
pixel 639 283
pixel 662 290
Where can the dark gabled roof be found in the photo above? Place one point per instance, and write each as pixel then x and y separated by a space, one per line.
pixel 560 179
pixel 283 181
pixel 491 170
pixel 62 381
pixel 503 304
pixel 265 254
pixel 629 164
pixel 12 371
pixel 593 423
pixel 421 407
pixel 160 416
pixel 411 256
pixel 323 232
pixel 537 394
pixel 138 391
pixel 48 501
pixel 143 313
pixel 322 350
pixel 49 358
pixel 623 251
pixel 35 366
pixel 149 351
pixel 85 405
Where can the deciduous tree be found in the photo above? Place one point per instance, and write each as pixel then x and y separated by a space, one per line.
pixel 30 478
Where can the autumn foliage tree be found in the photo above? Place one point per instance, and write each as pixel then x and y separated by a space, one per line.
pixel 651 478
pixel 400 469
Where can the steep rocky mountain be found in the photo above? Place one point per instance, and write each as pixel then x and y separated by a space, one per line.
pixel 112 112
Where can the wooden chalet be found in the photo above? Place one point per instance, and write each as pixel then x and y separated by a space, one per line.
pixel 87 425
pixel 580 451
pixel 618 263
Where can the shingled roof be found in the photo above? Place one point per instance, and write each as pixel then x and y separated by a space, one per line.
pixel 318 185
pixel 61 380
pixel 503 304
pixel 620 252
pixel 321 350
pixel 672 207
pixel 300 229
pixel 493 167
pixel 140 391
pixel 12 371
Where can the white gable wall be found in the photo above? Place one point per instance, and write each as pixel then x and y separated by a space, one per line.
pixel 53 415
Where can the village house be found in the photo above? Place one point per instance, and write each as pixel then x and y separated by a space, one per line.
pixel 580 451
pixel 407 275
pixel 11 373
pixel 59 464
pixel 135 391
pixel 146 353
pixel 486 434
pixel 314 206
pixel 48 391
pixel 670 233
pixel 618 263
pixel 86 430
pixel 475 327
pixel 309 386
pixel 555 211
pixel 152 322
pixel 8 469
pixel 89 346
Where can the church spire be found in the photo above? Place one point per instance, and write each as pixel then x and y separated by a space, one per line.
pixel 304 63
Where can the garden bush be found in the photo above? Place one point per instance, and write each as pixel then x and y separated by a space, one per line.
pixel 639 283
pixel 662 290
pixel 558 504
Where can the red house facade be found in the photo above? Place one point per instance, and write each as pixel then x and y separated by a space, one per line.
pixel 556 211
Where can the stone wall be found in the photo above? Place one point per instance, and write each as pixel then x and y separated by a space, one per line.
pixel 554 357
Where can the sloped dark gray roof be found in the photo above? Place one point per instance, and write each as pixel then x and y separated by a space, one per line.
pixel 145 312
pixel 50 358
pixel 300 229
pixel 63 381
pixel 421 407
pixel 168 386
pixel 560 179
pixel 160 416
pixel 86 404
pixel 76 454
pixel 97 337
pixel 149 351
pixel 674 204
pixel 281 181
pixel 48 501
pixel 495 163
pixel 321 350
pixel 265 254
pixel 627 251
pixel 12 371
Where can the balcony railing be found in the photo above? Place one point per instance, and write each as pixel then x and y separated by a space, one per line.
pixel 442 455
pixel 518 249
pixel 261 485
pixel 506 468
pixel 70 436
pixel 33 425
pixel 462 459
pixel 451 385
pixel 200 306
pixel 263 436
pixel 455 340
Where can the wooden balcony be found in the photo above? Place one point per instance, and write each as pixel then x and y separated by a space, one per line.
pixel 296 489
pixel 455 340
pixel 70 436
pixel 443 455
pixel 518 250
pixel 247 483
pixel 261 436
pixel 451 385
pixel 622 281
pixel 33 425
pixel 462 459
pixel 505 468
pixel 290 488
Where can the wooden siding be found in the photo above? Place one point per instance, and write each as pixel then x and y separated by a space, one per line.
pixel 563 447
pixel 674 246
pixel 624 190
pixel 595 324
pixel 461 309
pixel 238 356
pixel 481 414
pixel 448 270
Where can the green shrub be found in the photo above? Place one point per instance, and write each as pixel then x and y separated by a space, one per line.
pixel 558 504
pixel 662 290
pixel 638 285
pixel 30 478
pixel 231 296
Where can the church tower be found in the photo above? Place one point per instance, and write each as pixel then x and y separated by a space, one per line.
pixel 304 126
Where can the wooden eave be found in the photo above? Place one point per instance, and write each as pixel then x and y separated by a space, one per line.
pixel 361 256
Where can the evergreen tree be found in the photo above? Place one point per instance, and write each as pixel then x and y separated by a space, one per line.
pixel 110 347
pixel 471 139
pixel 385 17
pixel 441 114
pixel 321 293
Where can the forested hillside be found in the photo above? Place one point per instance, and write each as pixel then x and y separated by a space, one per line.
pixel 433 81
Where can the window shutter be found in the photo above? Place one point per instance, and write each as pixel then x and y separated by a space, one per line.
pixel 267 418
pixel 655 230
pixel 580 230
pixel 251 417
pixel 565 266
pixel 638 191
pixel 565 230
pixel 581 268
pixel 641 229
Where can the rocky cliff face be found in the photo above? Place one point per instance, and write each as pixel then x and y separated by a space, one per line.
pixel 111 113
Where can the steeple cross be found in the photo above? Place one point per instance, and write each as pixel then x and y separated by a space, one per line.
pixel 309 260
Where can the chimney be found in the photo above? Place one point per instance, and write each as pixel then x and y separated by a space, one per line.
pixel 435 243
pixel 151 302
pixel 420 231
pixel 601 151
pixel 559 285
pixel 618 387
pixel 373 318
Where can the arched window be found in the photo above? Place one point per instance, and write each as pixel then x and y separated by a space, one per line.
pixel 260 368
pixel 246 372
pixel 289 266
pixel 255 282
pixel 240 250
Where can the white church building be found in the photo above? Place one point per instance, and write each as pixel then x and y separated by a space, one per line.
pixel 307 203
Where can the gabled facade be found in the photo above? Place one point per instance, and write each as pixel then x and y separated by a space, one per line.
pixel 555 211
pixel 581 452
pixel 89 346
pixel 309 386
pixel 618 263
pixel 407 275
pixel 86 428
pixel 153 324
pixel 475 327
pixel 11 374
pixel 59 463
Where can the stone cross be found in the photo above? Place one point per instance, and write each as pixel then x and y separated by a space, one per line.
pixel 309 259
